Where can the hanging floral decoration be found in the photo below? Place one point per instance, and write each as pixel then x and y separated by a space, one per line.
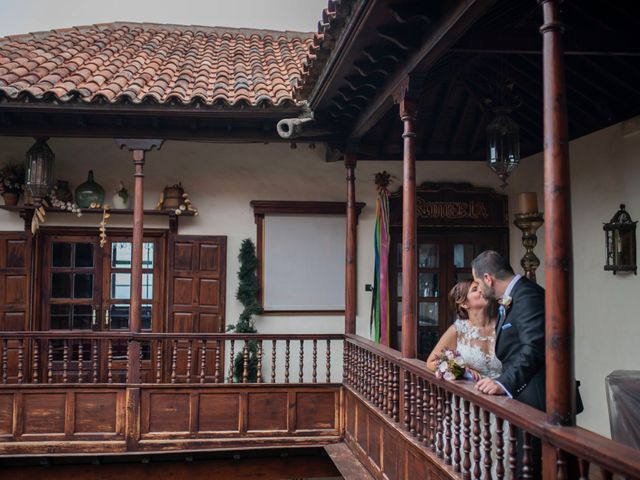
pixel 103 225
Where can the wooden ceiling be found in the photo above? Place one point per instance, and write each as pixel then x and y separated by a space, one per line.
pixel 462 69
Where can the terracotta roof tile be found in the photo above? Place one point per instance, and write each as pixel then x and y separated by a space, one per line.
pixel 129 62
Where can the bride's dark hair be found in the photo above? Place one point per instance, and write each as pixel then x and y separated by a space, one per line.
pixel 458 295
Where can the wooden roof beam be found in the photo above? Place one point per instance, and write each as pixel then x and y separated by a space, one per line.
pixel 444 35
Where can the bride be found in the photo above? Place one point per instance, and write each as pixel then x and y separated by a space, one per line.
pixel 472 334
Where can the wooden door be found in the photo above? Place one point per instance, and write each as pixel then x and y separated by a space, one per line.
pixel 444 258
pixel 197 279
pixel 15 281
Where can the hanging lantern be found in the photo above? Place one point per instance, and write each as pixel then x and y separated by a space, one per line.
pixel 39 169
pixel 503 144
pixel 621 243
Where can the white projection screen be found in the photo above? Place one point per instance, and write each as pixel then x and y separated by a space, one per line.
pixel 303 262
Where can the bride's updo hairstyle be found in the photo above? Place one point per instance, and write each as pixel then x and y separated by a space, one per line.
pixel 457 296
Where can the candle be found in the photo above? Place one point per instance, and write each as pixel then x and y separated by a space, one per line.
pixel 527 202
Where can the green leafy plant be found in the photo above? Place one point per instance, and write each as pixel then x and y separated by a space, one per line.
pixel 11 178
pixel 247 295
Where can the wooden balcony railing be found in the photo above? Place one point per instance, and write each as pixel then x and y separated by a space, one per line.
pixel 63 358
pixel 471 435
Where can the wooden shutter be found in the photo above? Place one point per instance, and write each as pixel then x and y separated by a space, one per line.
pixel 15 280
pixel 197 278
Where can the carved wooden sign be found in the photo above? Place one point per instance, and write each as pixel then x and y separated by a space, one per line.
pixel 453 205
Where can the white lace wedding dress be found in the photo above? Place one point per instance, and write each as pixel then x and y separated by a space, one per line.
pixel 478 351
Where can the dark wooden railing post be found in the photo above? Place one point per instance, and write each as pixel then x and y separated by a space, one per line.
pixel 351 254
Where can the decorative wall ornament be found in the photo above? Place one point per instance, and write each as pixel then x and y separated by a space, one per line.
pixel 89 194
pixel 380 302
pixel 529 220
pixel 175 198
pixel 621 243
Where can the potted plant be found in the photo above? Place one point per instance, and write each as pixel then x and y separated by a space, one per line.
pixel 11 182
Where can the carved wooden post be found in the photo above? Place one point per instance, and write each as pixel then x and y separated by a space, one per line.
pixel 351 254
pixel 138 149
pixel 558 253
pixel 407 98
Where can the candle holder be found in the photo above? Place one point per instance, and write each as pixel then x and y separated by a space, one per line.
pixel 529 223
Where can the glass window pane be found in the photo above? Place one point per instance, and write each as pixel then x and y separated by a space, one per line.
pixel 121 255
pixel 119 349
pixel 119 317
pixel 59 317
pixel 428 256
pixel 147 255
pixel 145 350
pixel 81 317
pixel 147 286
pixel 121 286
pixel 61 255
pixel 462 255
pixel 84 255
pixel 427 340
pixel 399 284
pixel 428 314
pixel 60 285
pixel 459 276
pixel 145 320
pixel 399 313
pixel 83 285
pixel 428 285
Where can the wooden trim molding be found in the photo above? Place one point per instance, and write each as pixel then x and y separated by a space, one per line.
pixel 263 207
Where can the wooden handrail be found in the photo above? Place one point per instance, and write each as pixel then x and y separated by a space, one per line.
pixel 142 336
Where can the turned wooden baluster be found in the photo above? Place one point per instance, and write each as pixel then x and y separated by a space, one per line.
pixel 314 374
pixel 259 370
pixel 273 361
pixel 513 453
pixel 447 428
pixel 346 362
pixel 328 361
pixel 94 356
pixel 476 441
pixel 418 413
pixel 486 426
pixel 412 405
pixel 49 363
pixel 80 355
pixel 433 427
pixel 394 399
pixel 386 398
pixel 425 414
pixel 561 464
pixel 456 433
pixel 5 363
pixel 584 469
pixel 20 359
pixel 466 444
pixel 527 467
pixel 159 361
pixel 36 361
pixel 301 366
pixel 499 448
pixel 231 361
pixel 286 361
pixel 245 362
pixel 357 380
pixel 189 354
pixel 65 360
pixel 439 422
pixel 218 366
pixel 110 362
pixel 203 360
pixel 381 384
pixel 406 393
pixel 174 360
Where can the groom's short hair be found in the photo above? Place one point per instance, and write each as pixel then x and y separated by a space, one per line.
pixel 493 263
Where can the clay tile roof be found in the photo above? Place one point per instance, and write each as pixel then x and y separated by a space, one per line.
pixel 135 63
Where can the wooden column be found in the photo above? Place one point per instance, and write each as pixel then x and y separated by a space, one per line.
pixel 408 111
pixel 558 256
pixel 352 249
pixel 138 149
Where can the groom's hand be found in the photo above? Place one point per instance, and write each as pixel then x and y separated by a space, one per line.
pixel 489 387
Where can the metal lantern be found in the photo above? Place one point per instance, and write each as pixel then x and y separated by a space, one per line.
pixel 39 169
pixel 621 243
pixel 503 144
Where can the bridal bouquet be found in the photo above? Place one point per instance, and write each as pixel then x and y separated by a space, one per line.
pixel 450 365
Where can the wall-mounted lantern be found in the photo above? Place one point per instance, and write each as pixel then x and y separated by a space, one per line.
pixel 39 170
pixel 621 243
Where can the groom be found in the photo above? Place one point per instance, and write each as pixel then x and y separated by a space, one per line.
pixel 519 330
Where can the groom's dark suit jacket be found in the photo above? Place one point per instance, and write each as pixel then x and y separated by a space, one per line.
pixel 520 344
